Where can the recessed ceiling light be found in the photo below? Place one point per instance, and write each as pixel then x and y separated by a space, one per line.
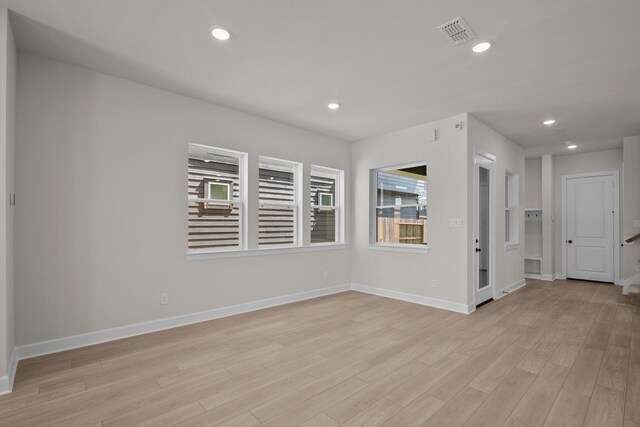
pixel 548 122
pixel 572 146
pixel 481 47
pixel 333 106
pixel 220 33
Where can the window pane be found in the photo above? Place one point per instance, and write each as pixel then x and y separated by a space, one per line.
pixel 507 224
pixel 276 225
pixel 323 225
pixel 406 186
pixel 323 221
pixel 213 225
pixel 322 188
pixel 404 225
pixel 276 187
pixel 401 213
pixel 506 191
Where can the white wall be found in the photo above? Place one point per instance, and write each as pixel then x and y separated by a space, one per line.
pixel 630 255
pixel 509 261
pixel 7 149
pixel 101 219
pixel 576 164
pixel 447 198
pixel 533 183
pixel 548 218
pixel 450 195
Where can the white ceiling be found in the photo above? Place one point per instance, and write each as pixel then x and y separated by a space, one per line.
pixel 577 61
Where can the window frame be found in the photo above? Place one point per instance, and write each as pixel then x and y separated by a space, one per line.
pixel 338 202
pixel 373 207
pixel 511 209
pixel 240 202
pixel 296 205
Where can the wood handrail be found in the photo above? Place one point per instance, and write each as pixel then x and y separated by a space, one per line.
pixel 633 238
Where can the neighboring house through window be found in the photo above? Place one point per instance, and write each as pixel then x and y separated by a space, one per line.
pixel 400 209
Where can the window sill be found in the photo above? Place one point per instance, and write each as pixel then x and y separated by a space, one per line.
pixel 239 253
pixel 511 246
pixel 400 248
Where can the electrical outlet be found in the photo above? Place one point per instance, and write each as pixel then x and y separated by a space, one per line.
pixel 434 283
pixel 164 298
pixel 325 274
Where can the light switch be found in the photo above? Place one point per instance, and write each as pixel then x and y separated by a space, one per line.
pixel 455 222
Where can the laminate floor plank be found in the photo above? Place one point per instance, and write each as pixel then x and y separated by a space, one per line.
pixel 584 372
pixel 606 408
pixel 495 410
pixel 568 410
pixel 537 402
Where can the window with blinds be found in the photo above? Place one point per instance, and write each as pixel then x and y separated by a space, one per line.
pixel 326 212
pixel 215 208
pixel 279 207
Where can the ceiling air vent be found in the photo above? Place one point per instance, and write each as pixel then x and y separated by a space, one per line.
pixel 457 31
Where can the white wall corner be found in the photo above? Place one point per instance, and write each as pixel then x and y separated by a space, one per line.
pixel 560 276
pixel 5 385
pixel 416 299
pixel 547 277
pixel 6 382
pixel 633 280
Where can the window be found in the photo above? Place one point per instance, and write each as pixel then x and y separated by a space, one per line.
pixel 326 209
pixel 400 210
pixel 279 194
pixel 215 199
pixel 510 208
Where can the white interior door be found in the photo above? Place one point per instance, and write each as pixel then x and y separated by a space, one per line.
pixel 590 228
pixel 483 228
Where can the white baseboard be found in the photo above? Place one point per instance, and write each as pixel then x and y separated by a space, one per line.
pixel 512 287
pixel 82 340
pixel 543 277
pixel 6 382
pixel 5 385
pixel 416 299
pixel 560 276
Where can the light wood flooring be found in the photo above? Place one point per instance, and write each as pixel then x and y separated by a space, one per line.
pixel 562 353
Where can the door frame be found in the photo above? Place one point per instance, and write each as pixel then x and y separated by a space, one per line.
pixel 490 160
pixel 615 174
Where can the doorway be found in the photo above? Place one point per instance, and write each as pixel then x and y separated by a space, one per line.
pixel 590 226
pixel 484 230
